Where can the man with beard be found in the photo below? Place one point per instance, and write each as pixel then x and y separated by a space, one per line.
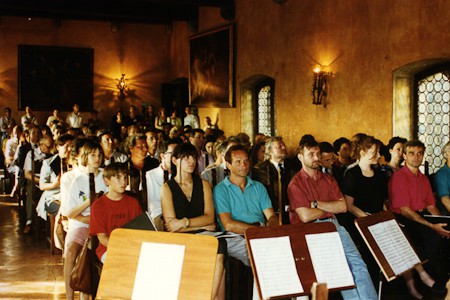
pixel 315 197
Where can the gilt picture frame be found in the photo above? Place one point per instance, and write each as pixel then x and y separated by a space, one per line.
pixel 211 68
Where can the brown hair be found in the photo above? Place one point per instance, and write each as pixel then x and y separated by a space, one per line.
pixel 364 143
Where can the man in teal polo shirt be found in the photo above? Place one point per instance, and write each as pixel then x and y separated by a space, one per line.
pixel 241 203
pixel 442 180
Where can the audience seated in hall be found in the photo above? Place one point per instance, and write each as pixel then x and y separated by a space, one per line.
pixel 7 123
pixel 54 119
pixel 110 154
pixel 179 216
pixel 442 182
pixel 33 163
pixel 10 150
pixel 156 178
pixel 77 205
pixel 113 209
pixel 258 153
pixel 343 150
pixel 49 179
pixel 217 172
pixel 191 119
pixel 315 197
pixel 74 119
pixel 149 158
pixel 204 159
pixel 327 157
pixel 241 202
pixel 411 197
pixel 138 164
pixel 152 143
pixel 274 173
pixel 28 119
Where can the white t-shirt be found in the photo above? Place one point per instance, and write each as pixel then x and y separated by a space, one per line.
pixel 79 192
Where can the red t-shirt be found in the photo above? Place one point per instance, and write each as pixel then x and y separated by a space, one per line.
pixel 107 215
pixel 303 190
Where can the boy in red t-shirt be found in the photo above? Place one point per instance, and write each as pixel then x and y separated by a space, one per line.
pixel 113 209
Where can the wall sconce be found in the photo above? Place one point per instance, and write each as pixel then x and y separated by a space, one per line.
pixel 320 87
pixel 123 88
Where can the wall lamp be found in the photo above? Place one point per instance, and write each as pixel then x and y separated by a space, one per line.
pixel 320 87
pixel 123 87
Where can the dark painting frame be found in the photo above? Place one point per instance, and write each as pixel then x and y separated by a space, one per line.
pixel 53 77
pixel 211 65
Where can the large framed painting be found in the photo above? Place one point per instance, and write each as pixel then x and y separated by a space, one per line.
pixel 211 68
pixel 52 77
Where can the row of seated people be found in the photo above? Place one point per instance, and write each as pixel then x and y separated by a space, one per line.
pixel 307 200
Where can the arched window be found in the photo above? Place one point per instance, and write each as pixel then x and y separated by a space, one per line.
pixel 257 105
pixel 264 121
pixel 432 118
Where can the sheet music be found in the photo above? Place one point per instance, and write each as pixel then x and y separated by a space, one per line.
pixel 328 259
pixel 150 282
pixel 394 246
pixel 275 265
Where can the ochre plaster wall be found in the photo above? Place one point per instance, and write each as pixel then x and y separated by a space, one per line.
pixel 362 41
pixel 139 51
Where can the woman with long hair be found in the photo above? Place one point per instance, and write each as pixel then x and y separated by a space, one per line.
pixel 187 205
pixel 77 206
pixel 365 190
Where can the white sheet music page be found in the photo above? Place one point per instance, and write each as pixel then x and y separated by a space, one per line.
pixel 275 265
pixel 328 259
pixel 151 282
pixel 394 246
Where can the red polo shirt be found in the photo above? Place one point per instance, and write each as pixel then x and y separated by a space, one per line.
pixel 303 190
pixel 409 190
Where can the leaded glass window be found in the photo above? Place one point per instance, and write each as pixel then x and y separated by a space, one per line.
pixel 433 122
pixel 265 111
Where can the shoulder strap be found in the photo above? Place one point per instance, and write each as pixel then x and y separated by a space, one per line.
pixel 91 188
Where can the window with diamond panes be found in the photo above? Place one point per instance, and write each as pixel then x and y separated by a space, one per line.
pixel 264 110
pixel 433 106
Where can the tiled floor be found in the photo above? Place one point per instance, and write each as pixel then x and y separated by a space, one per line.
pixel 27 268
pixel 29 271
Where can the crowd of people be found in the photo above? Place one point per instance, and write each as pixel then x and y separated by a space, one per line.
pixel 199 181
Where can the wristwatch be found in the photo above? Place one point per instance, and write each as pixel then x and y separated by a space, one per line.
pixel 186 222
pixel 315 203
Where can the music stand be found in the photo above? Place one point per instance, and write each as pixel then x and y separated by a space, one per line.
pixel 302 257
pixel 119 271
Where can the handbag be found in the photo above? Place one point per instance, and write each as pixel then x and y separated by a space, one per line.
pixel 80 278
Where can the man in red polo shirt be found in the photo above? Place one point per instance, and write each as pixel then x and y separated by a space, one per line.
pixel 315 197
pixel 411 197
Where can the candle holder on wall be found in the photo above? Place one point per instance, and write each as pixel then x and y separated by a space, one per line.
pixel 320 86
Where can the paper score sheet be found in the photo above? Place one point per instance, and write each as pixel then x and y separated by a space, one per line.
pixel 158 272
pixel 394 246
pixel 328 259
pixel 275 266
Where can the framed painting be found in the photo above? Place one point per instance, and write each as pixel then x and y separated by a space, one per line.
pixel 52 77
pixel 211 68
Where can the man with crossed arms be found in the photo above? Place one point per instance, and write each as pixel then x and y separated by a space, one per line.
pixel 315 197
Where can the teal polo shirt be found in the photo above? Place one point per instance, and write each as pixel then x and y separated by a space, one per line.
pixel 247 206
pixel 442 182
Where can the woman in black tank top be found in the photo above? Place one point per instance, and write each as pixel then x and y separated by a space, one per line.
pixel 187 205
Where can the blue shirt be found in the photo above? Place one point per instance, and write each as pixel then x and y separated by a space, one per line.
pixel 247 206
pixel 442 181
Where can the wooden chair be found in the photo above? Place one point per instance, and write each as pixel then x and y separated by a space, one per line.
pixel 50 227
pixel 319 291
pixel 239 280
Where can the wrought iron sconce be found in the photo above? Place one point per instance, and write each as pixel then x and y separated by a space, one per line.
pixel 320 86
pixel 123 88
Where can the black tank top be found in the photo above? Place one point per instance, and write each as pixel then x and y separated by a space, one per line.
pixel 184 208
